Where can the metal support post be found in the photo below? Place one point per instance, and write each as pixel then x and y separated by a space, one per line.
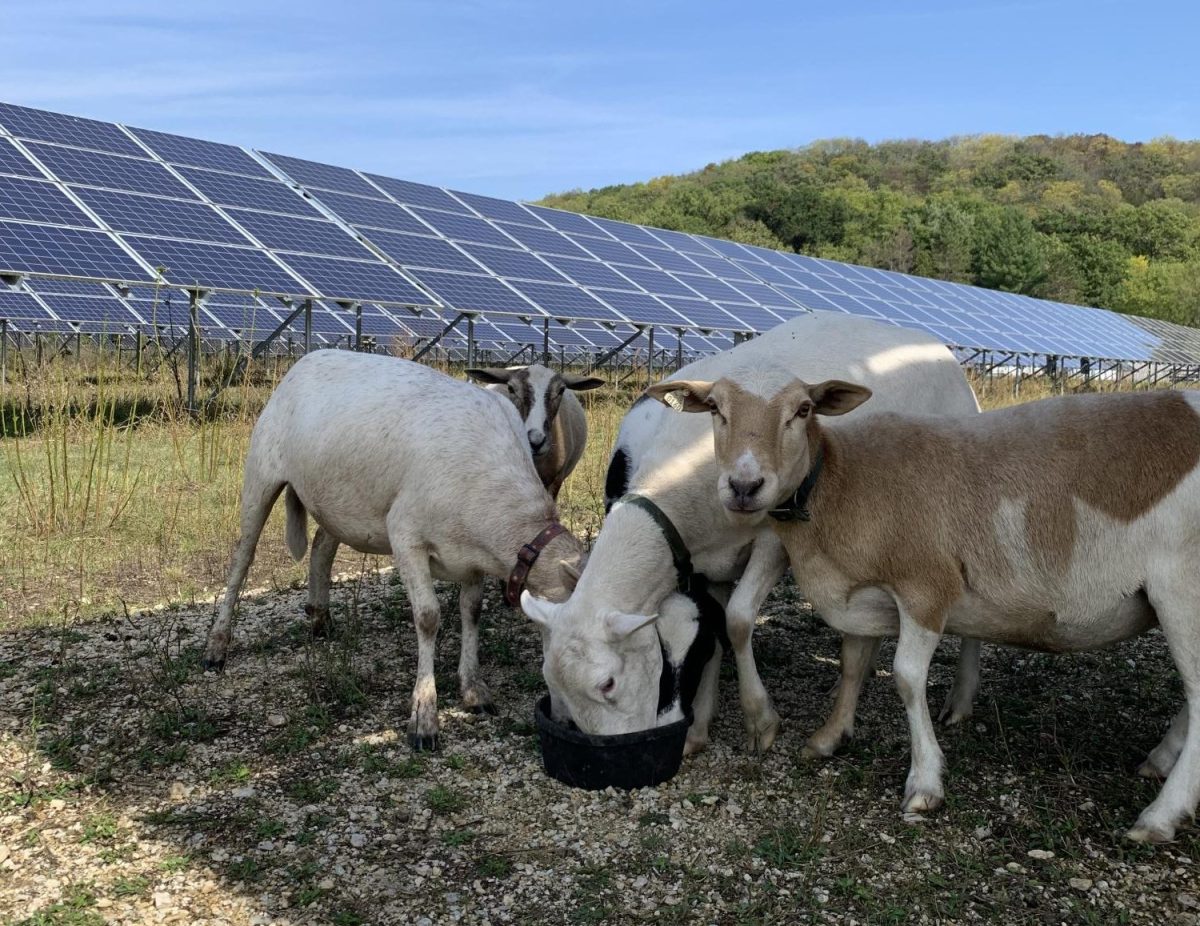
pixel 546 340
pixel 678 349
pixel 37 347
pixel 470 340
pixel 139 346
pixel 441 334
pixel 358 326
pixel 3 351
pixel 650 357
pixel 611 353
pixel 193 349
pixel 307 325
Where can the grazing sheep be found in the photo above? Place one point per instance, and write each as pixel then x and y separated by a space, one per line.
pixel 667 458
pixel 391 457
pixel 554 419
pixel 1062 525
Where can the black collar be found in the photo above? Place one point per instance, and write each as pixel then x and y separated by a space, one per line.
pixel 795 508
pixel 679 550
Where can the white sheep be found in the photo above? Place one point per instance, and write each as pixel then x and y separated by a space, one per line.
pixel 1062 525
pixel 593 637
pixel 391 457
pixel 554 420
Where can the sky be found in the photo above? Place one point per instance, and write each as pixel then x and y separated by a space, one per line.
pixel 520 98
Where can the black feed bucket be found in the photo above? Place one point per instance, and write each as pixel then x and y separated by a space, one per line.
pixel 628 760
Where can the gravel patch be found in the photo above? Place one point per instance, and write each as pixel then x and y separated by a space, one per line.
pixel 138 789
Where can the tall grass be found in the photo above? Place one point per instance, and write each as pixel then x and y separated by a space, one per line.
pixel 111 495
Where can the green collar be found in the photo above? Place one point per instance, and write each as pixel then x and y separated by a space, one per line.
pixel 795 508
pixel 679 550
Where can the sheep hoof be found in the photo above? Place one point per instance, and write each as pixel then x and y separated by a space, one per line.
pixel 1149 770
pixel 694 746
pixel 321 625
pixel 214 664
pixel 952 714
pixel 429 742
pixel 1151 834
pixel 489 709
pixel 920 802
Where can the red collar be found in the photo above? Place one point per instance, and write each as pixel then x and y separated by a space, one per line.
pixel 526 557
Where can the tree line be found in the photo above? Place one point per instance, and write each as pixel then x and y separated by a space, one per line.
pixel 1087 219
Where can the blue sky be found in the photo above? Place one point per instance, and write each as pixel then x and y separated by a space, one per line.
pixel 518 98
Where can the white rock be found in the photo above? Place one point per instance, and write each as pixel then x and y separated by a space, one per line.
pixel 1080 884
pixel 276 720
pixel 358 840
pixel 244 793
pixel 162 900
pixel 1042 855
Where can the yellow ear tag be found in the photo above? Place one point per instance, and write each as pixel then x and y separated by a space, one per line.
pixel 672 399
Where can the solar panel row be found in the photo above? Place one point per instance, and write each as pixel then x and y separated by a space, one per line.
pixel 86 198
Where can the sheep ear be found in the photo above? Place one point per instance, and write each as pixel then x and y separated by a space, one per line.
pixel 491 375
pixel 581 383
pixel 694 395
pixel 836 397
pixel 620 626
pixel 542 612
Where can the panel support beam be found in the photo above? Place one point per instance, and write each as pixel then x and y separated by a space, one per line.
pixel 609 354
pixel 441 334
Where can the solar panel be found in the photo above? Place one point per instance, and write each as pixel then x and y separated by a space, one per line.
pixel 337 278
pixel 639 307
pixel 623 231
pixel 612 251
pixel 13 161
pixel 712 288
pixel 321 176
pixel 421 251
pixel 542 240
pixel 591 273
pixel 39 201
pixel 28 248
pixel 509 262
pixel 196 152
pixel 72 287
pixel 249 317
pixel 672 260
pixel 474 292
pixel 186 263
pixel 418 194
pixel 248 192
pixel 463 227
pixel 573 266
pixel 501 209
pixel 151 215
pixel 14 305
pixel 307 236
pixel 95 312
pixel 376 213
pixel 657 282
pixel 565 301
pixel 70 130
pixel 109 170
pixel 703 314
pixel 755 319
pixel 568 221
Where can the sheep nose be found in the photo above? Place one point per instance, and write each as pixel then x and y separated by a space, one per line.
pixel 536 440
pixel 743 490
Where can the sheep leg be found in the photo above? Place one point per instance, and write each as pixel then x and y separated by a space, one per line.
pixel 1176 601
pixel 320 568
pixel 1163 757
pixel 258 496
pixel 413 566
pixel 914 650
pixel 858 656
pixel 704 707
pixel 767 563
pixel 960 699
pixel 475 695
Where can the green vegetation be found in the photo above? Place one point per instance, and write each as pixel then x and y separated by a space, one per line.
pixel 1082 218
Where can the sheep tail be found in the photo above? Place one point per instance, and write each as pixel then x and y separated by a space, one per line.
pixel 297 525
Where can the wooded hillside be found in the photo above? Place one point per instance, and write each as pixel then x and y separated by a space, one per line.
pixel 1081 218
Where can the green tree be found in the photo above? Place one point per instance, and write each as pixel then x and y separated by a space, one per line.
pixel 1008 251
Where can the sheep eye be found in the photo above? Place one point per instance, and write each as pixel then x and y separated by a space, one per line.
pixel 607 688
pixel 803 410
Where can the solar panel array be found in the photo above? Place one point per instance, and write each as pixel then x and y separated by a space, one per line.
pixel 95 200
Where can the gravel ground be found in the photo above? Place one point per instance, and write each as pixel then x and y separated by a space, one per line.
pixel 138 789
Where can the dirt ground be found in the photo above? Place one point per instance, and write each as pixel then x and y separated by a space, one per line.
pixel 138 789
